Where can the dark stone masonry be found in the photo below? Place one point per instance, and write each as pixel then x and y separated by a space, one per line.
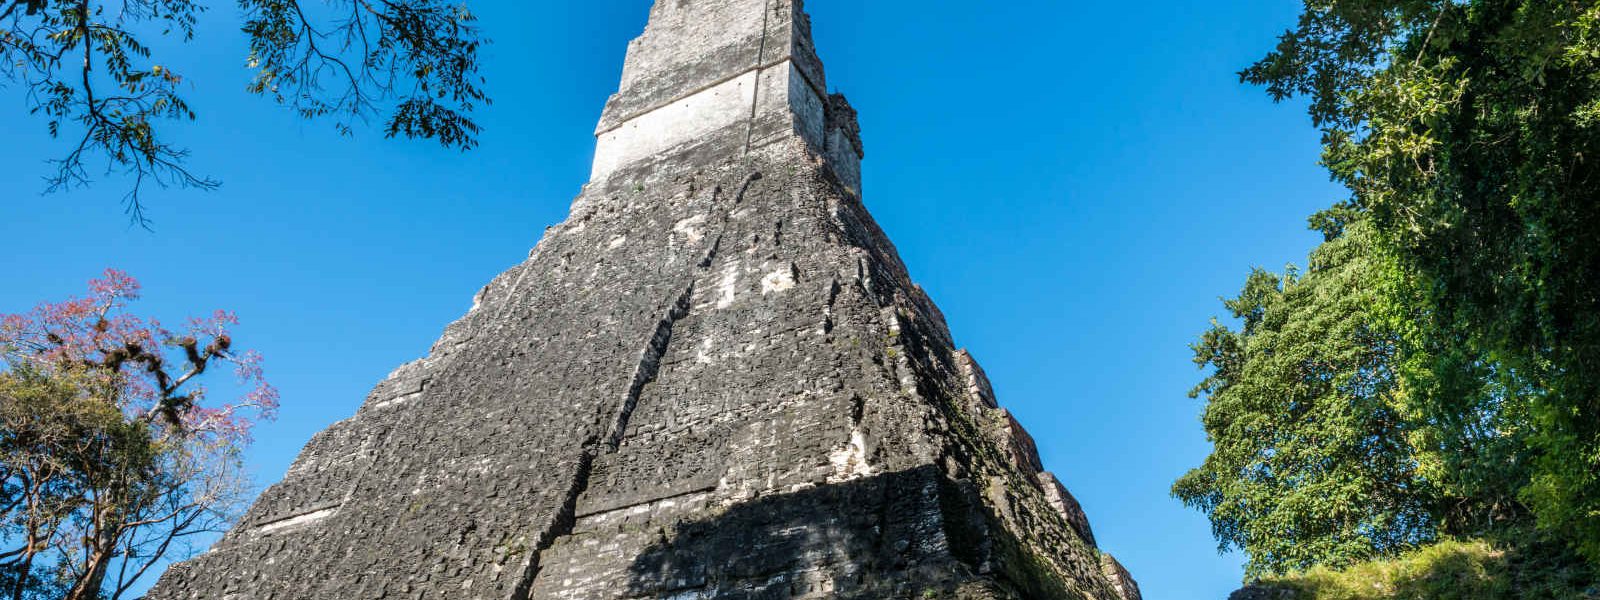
pixel 715 379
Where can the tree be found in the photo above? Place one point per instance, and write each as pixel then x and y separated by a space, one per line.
pixel 1311 462
pixel 1468 131
pixel 87 68
pixel 111 452
pixel 38 416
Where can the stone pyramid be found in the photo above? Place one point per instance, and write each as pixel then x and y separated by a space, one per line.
pixel 715 379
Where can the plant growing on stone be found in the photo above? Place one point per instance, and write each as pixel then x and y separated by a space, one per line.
pixel 112 454
pixel 87 67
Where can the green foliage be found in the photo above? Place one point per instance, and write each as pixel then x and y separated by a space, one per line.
pixel 1518 566
pixel 1470 414
pixel 1310 464
pixel 1468 132
pixel 40 584
pixel 91 499
pixel 61 442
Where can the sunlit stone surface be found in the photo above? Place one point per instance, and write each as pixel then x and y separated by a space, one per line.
pixel 715 379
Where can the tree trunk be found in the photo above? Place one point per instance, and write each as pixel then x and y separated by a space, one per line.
pixel 88 587
pixel 24 569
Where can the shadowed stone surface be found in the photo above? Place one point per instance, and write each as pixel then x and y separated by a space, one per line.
pixel 715 379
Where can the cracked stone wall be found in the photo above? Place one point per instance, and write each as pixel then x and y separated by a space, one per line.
pixel 715 379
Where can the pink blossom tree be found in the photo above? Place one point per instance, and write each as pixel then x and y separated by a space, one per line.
pixel 112 453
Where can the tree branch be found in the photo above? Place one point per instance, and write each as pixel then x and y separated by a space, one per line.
pixel 156 556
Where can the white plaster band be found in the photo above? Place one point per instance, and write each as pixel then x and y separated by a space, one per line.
pixel 295 521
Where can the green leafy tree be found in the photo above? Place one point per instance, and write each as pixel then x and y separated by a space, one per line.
pixel 57 433
pixel 1469 132
pixel 1311 462
pixel 86 66
pixel 42 419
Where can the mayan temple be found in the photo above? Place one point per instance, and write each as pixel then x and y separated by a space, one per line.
pixel 715 379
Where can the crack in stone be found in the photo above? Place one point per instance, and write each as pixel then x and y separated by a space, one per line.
pixel 656 349
pixel 744 188
pixel 561 524
pixel 648 368
pixel 865 281
pixel 716 244
pixel 827 311
pixel 761 57
pixel 645 372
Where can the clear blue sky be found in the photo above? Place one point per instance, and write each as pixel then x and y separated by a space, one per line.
pixel 1075 183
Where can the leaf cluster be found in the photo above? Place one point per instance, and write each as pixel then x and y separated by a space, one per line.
pixel 1311 463
pixel 87 68
pixel 83 66
pixel 417 59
